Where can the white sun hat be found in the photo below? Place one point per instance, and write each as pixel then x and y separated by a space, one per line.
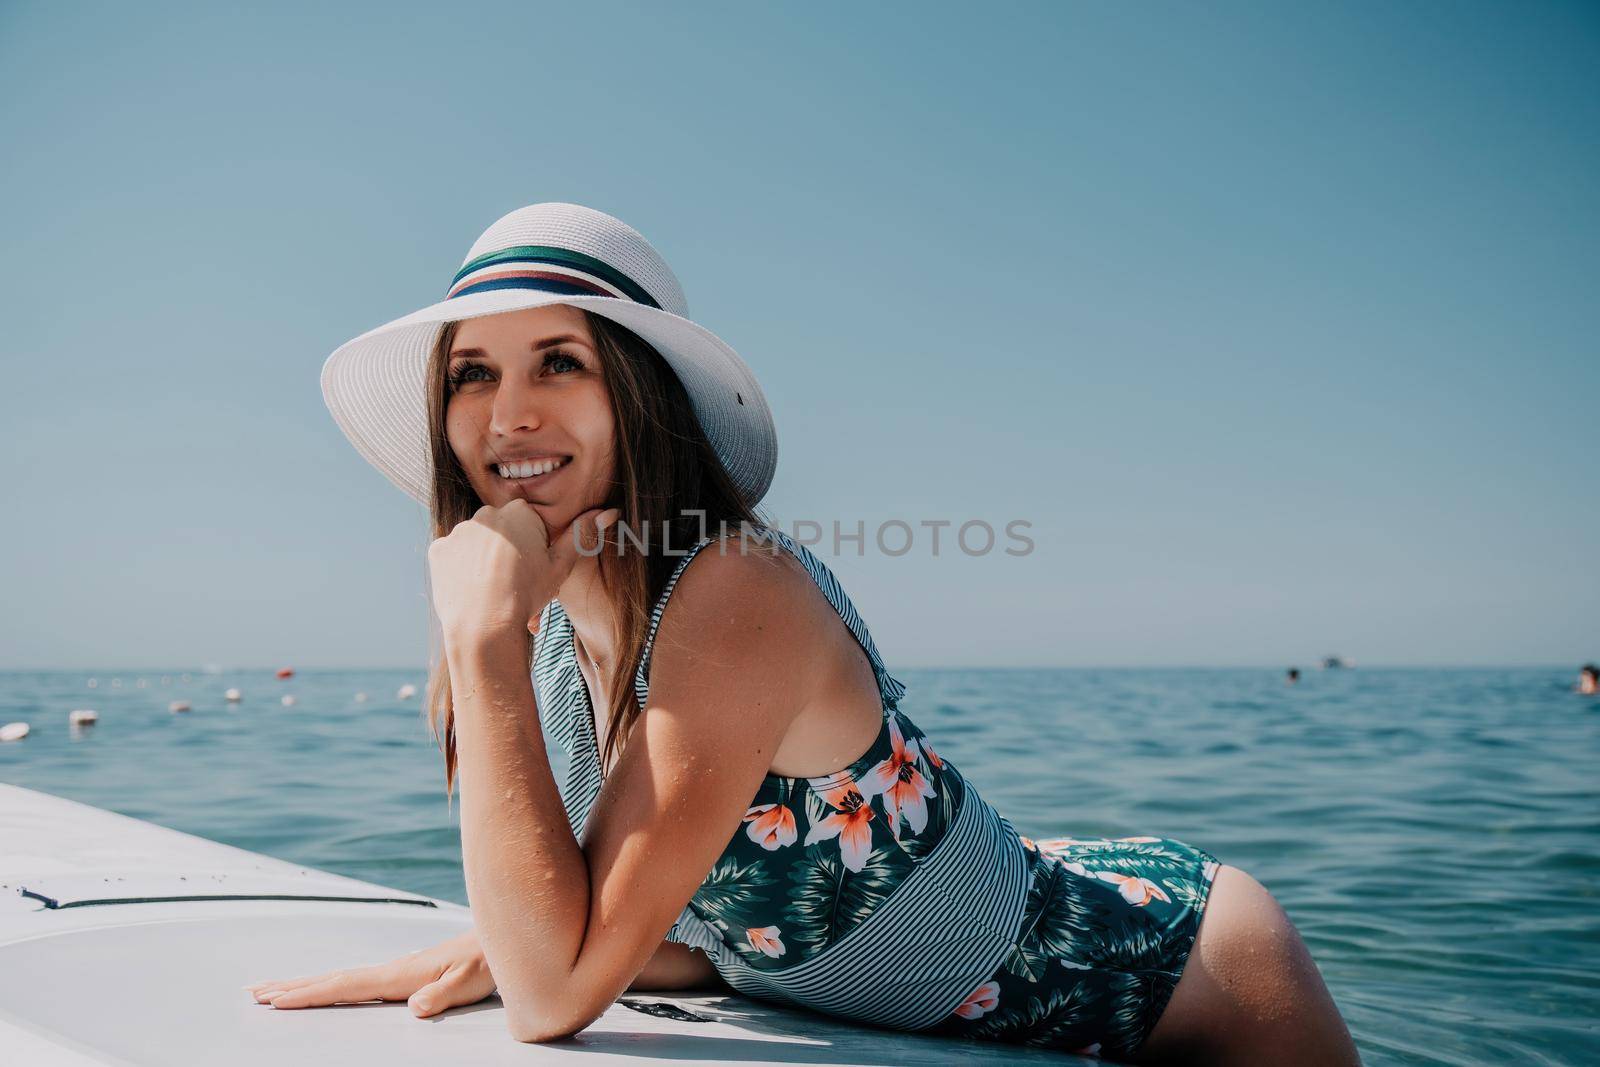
pixel 550 253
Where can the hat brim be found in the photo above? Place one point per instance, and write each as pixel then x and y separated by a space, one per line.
pixel 375 389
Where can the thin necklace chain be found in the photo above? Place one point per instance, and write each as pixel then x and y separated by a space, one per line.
pixel 584 652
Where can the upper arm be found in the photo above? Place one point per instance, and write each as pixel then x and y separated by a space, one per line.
pixel 727 677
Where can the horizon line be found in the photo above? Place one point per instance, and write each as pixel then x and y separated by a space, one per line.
pixel 1313 665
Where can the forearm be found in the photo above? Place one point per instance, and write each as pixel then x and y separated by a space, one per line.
pixel 527 878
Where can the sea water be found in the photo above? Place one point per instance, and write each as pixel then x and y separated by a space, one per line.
pixel 1434 834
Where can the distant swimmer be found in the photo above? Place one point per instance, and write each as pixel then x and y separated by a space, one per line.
pixel 1589 679
pixel 1292 676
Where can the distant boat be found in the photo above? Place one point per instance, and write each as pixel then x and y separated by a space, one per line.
pixel 1333 663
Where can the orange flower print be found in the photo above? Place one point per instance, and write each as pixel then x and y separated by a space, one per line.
pixel 764 939
pixel 1089 1050
pixel 849 823
pixel 1027 842
pixel 1137 839
pixel 980 1001
pixel 904 788
pixel 1134 889
pixel 771 826
pixel 933 757
pixel 1058 844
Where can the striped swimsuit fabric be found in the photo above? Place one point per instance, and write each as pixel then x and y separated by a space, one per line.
pixel 891 893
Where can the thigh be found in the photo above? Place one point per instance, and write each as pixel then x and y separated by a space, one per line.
pixel 1250 990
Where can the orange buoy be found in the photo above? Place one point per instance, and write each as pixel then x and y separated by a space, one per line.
pixel 285 672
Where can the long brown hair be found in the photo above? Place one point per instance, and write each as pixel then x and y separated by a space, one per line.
pixel 666 473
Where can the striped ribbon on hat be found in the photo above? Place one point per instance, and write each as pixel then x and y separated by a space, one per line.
pixel 552 269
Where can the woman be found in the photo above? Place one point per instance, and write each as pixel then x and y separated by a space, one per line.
pixel 745 802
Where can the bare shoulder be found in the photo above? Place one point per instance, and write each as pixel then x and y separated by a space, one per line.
pixel 747 597
pixel 756 637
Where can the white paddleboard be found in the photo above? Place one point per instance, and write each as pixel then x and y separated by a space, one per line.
pixel 123 942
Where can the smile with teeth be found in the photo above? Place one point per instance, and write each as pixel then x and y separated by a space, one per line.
pixel 531 468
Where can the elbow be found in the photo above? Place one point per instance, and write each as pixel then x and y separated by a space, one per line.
pixel 537 1032
pixel 539 1027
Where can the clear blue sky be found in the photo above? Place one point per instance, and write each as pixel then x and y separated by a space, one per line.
pixel 1277 322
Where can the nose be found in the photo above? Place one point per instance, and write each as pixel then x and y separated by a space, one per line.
pixel 515 408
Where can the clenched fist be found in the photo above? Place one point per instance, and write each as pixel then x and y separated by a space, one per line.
pixel 496 571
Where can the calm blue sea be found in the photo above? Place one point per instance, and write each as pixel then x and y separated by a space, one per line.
pixel 1435 834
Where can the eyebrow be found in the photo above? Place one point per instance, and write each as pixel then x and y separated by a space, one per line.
pixel 537 346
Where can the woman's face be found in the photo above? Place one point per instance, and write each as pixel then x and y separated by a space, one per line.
pixel 525 387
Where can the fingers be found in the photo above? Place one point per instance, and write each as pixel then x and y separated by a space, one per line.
pixel 318 994
pixel 335 987
pixel 269 992
pixel 280 985
pixel 431 999
pixel 457 987
pixel 583 535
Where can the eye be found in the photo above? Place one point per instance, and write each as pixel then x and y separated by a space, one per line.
pixel 559 356
pixel 459 374
pixel 462 372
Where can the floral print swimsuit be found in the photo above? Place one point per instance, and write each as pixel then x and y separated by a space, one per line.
pixel 1104 931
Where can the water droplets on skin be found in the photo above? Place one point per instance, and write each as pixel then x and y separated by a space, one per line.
pixel 1430 832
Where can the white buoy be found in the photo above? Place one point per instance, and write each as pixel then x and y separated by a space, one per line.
pixel 361 698
pixel 141 683
pixel 116 683
pixel 94 683
pixel 233 696
pixel 407 691
pixel 83 717
pixel 288 700
pixel 13 731
pixel 179 705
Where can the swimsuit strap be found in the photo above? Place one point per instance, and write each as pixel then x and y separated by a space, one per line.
pixel 641 677
pixel 564 711
pixel 890 689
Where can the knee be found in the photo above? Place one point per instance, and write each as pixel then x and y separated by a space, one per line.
pixel 1252 950
pixel 1250 992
